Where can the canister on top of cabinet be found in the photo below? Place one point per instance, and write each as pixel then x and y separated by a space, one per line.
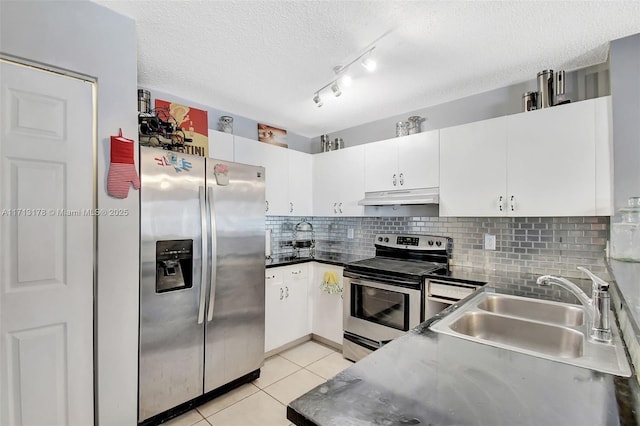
pixel 529 101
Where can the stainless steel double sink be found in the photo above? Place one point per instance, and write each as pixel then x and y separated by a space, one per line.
pixel 545 329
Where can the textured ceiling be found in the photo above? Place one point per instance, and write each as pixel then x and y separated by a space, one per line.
pixel 265 59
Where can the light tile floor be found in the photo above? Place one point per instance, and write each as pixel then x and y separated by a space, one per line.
pixel 263 402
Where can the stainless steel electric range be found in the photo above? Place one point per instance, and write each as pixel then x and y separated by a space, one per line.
pixel 384 296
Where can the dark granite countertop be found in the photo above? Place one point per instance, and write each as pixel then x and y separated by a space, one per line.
pixel 338 259
pixel 428 378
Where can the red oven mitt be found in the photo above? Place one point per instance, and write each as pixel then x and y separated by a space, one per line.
pixel 122 169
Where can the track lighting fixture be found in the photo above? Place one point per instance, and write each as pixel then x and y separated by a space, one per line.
pixel 335 89
pixel 369 64
pixel 341 71
pixel 317 100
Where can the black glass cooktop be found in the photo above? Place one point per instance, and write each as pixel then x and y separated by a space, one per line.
pixel 412 269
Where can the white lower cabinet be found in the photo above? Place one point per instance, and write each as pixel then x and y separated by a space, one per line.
pixel 326 309
pixel 286 305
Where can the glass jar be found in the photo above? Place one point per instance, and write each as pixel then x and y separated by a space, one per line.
pixel 225 124
pixel 413 124
pixel 625 234
pixel 402 128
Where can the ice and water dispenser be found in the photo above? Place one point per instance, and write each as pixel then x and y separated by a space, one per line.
pixel 174 265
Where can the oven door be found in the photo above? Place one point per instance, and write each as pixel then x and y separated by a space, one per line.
pixel 377 311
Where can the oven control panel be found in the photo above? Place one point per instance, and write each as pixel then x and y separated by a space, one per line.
pixel 417 242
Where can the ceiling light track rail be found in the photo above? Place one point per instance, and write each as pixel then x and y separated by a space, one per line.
pixel 341 72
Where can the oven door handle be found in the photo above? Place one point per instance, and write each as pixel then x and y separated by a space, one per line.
pixel 376 279
pixel 367 343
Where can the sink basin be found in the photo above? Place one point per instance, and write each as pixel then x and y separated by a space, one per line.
pixel 544 329
pixel 533 309
pixel 543 338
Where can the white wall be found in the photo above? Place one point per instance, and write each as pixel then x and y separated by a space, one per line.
pixel 625 98
pixel 89 39
pixel 586 83
pixel 242 126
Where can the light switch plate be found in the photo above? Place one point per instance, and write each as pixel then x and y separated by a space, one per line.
pixel 489 242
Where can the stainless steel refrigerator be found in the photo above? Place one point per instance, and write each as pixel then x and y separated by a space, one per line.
pixel 202 279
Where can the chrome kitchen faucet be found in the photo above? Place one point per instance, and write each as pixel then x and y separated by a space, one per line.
pixel 597 307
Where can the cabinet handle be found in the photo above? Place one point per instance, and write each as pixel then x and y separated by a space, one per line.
pixel 500 203
pixel 296 272
pixel 513 203
pixel 335 209
pixel 290 207
pixel 267 206
pixel 287 292
pixel 395 181
pixel 281 294
pixel 340 207
pixel 401 179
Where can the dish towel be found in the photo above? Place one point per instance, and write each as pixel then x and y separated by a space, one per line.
pixel 330 278
pixel 330 283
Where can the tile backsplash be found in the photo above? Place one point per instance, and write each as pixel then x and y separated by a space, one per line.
pixel 549 245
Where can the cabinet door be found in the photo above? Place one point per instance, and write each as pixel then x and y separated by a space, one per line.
pixel 220 145
pixel 419 160
pixel 300 186
pixel 326 309
pixel 604 148
pixel 275 161
pixel 350 183
pixel 473 169
pixel 381 165
pixel 551 161
pixel 296 308
pixel 277 179
pixel 248 151
pixel 325 184
pixel 273 312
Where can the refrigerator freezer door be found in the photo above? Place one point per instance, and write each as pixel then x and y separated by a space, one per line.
pixel 171 339
pixel 234 336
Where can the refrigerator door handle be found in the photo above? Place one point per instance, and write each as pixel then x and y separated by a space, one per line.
pixel 205 254
pixel 212 289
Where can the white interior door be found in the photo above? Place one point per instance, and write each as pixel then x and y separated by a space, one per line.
pixel 47 243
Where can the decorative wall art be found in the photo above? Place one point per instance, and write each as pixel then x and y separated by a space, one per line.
pixel 193 122
pixel 272 135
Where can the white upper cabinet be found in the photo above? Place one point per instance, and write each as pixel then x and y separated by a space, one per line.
pixel 407 162
pixel 338 182
pixel 300 186
pixel 220 145
pixel 549 162
pixel 275 161
pixel 287 172
pixel 473 169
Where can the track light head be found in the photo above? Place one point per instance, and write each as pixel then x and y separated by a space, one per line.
pixel 369 64
pixel 336 89
pixel 317 100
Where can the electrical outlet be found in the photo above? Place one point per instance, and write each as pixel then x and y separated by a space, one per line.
pixel 350 233
pixel 489 242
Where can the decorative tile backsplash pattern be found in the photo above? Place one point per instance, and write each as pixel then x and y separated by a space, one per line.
pixel 553 245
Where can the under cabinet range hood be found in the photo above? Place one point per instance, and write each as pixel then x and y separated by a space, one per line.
pixel 401 197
